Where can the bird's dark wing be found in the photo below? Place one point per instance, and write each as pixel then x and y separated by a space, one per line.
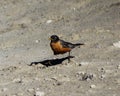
pixel 70 45
pixel 67 44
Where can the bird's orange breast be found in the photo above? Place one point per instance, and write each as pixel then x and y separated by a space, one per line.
pixel 58 48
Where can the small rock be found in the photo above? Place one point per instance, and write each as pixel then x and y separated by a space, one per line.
pixel 15 95
pixel 79 73
pixel 47 79
pixel 109 88
pixel 39 93
pixel 108 30
pixel 109 71
pixel 37 41
pixel 22 25
pixel 54 78
pixel 118 66
pixel 17 80
pixel 61 79
pixel 4 89
pixel 84 76
pixel 102 70
pixel 78 64
pixel 83 63
pixel 115 95
pixel 6 56
pixel 117 44
pixel 92 86
pixel 37 64
pixel 102 76
pixel 74 8
pixel 36 78
pixel 40 66
pixel 10 68
pixel 22 45
pixel 57 83
pixel 49 21
pixel 118 81
pixel 31 90
pixel 87 77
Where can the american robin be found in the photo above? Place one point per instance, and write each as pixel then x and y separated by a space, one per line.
pixel 60 46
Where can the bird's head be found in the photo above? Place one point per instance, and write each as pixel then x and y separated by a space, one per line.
pixel 54 38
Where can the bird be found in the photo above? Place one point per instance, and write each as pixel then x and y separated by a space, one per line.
pixel 60 46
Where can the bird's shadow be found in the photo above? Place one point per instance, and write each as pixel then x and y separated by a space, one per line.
pixel 51 62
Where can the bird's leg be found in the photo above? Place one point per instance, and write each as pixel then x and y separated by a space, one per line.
pixel 69 57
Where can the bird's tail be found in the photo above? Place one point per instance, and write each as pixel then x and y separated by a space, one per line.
pixel 78 44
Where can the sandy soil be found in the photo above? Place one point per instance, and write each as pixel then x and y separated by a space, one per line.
pixel 27 64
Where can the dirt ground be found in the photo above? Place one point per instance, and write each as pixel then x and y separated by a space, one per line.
pixel 27 64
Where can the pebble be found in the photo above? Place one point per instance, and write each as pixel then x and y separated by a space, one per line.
pixel 115 95
pixel 40 66
pixel 57 83
pixel 37 41
pixel 14 95
pixel 10 68
pixel 47 79
pixel 118 66
pixel 49 21
pixel 117 44
pixel 6 56
pixel 102 76
pixel 80 73
pixel 118 81
pixel 54 78
pixel 39 93
pixel 84 63
pixel 30 90
pixel 22 45
pixel 74 9
pixel 85 76
pixel 92 86
pixel 17 80
pixel 102 70
pixel 4 89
